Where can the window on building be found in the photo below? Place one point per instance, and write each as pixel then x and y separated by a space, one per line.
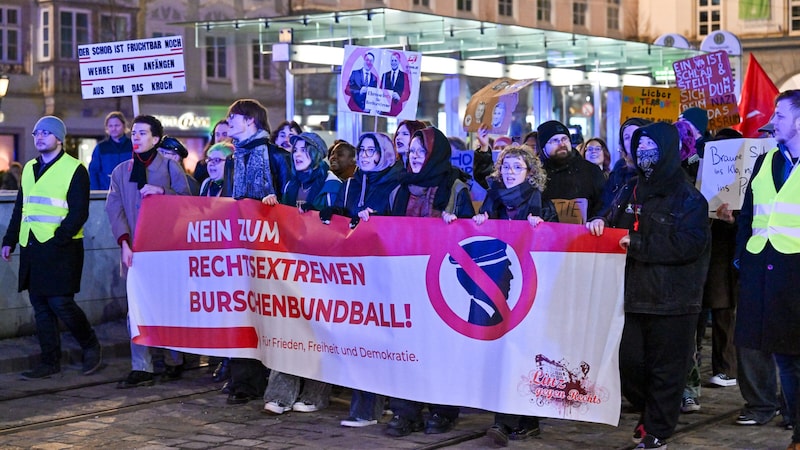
pixel 464 5
pixel 709 16
pixel 425 3
pixel 262 63
pixel 505 8
pixel 46 35
pixel 10 35
pixel 795 15
pixel 216 52
pixel 612 18
pixel 74 31
pixel 544 10
pixel 115 28
pixel 579 8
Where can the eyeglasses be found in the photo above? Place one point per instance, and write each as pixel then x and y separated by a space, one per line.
pixel 421 152
pixel 516 168
pixel 594 149
pixel 214 161
pixel 367 151
pixel 42 133
pixel 558 140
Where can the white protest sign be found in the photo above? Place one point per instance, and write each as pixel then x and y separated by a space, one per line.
pixel 125 68
pixel 726 170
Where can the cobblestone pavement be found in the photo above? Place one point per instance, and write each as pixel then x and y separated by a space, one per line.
pixel 74 411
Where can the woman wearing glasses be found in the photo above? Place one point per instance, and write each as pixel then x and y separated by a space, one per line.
pixel 216 156
pixel 596 152
pixel 515 193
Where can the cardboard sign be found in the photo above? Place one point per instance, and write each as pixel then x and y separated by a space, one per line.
pixel 492 106
pixel 726 169
pixel 124 68
pixel 571 211
pixel 380 81
pixel 652 103
pixel 706 81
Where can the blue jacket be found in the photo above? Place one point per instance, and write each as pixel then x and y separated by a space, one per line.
pixel 108 154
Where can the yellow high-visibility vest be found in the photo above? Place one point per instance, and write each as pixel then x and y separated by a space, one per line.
pixel 44 204
pixel 776 215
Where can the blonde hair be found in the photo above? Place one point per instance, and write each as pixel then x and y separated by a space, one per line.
pixel 536 174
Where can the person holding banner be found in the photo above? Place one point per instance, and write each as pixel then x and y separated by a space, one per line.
pixel 431 187
pixel 342 159
pixel 311 187
pixel 625 167
pixel 668 244
pixel 515 192
pixel 148 173
pixel 768 256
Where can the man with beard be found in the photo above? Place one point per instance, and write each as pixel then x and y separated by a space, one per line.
pixel 569 176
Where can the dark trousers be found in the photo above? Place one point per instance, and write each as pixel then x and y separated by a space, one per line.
pixel 655 356
pixel 248 376
pixel 411 410
pixel 514 421
pixel 723 352
pixel 758 384
pixel 47 311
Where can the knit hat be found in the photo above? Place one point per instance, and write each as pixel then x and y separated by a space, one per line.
pixel 52 124
pixel 549 129
pixel 697 117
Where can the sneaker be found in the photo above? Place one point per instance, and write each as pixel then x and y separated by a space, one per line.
pixel 438 424
pixel 276 407
pixel 355 422
pixel 92 360
pixel 688 406
pixel 40 372
pixel 650 441
pixel 137 378
pixel 639 433
pixel 722 380
pixel 498 433
pixel 745 419
pixel 304 407
pixel 399 427
pixel 519 434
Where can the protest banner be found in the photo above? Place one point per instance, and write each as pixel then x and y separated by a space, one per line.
pixel 652 103
pixel 129 68
pixel 706 81
pixel 493 105
pixel 380 81
pixel 727 166
pixel 506 313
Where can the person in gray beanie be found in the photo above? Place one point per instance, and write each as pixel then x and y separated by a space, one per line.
pixel 49 231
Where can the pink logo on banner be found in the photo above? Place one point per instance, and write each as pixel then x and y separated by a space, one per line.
pixel 489 287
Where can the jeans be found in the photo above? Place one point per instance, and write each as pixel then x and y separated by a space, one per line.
pixel 286 390
pixel 47 311
pixel 757 380
pixel 366 405
pixel 789 369
pixel 142 355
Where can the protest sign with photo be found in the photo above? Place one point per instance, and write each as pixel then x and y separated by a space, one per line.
pixel 493 105
pixel 380 81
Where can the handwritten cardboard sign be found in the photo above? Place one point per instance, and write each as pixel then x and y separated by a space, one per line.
pixel 727 166
pixel 706 81
pixel 572 211
pixel 651 103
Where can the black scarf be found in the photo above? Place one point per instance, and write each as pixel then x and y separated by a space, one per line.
pixel 141 161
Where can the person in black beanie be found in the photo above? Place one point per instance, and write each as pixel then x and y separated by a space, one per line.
pixel 569 176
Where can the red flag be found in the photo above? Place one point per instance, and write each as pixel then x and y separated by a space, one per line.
pixel 758 99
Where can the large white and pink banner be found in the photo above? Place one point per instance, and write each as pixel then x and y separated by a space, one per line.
pixel 502 316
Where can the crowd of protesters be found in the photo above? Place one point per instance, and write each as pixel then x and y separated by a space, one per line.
pixel 682 267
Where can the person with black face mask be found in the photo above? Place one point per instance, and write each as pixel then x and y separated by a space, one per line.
pixel 668 245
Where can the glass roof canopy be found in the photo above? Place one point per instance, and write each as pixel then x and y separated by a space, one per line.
pixel 455 38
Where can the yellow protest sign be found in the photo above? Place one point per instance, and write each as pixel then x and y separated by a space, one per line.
pixel 651 103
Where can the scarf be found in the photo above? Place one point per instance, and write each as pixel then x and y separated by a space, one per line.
pixel 515 200
pixel 141 161
pixel 252 177
pixel 420 203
